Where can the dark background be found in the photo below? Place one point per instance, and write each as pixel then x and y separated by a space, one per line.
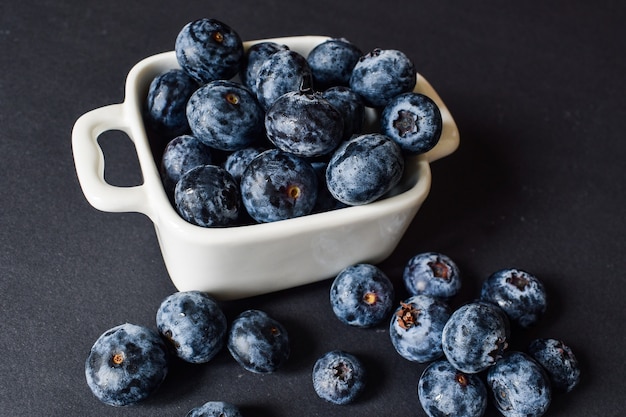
pixel 537 89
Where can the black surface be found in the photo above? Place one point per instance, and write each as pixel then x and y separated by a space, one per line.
pixel 537 89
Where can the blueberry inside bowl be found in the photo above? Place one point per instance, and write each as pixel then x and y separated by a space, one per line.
pixel 249 259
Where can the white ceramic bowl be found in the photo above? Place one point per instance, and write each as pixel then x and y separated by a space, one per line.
pixel 242 261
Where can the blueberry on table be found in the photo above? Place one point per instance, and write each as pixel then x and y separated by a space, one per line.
pixel 208 196
pixel 364 168
pixel 475 337
pixel 166 102
pixel 126 364
pixel 338 377
pixel 282 72
pixel 209 50
pixel 445 391
pixel 350 106
pixel 277 185
pixel 559 362
pixel 520 294
pixel 180 155
pixel 332 62
pixel 225 115
pixel 215 409
pixel 194 325
pixel 304 123
pixel 255 56
pixel 414 121
pixel 520 386
pixel 433 274
pixel 259 343
pixel 416 327
pixel 381 75
pixel 361 295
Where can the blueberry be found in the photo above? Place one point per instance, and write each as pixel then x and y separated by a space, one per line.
pixel 259 343
pixel 445 391
pixel 277 185
pixel 304 123
pixel 520 294
pixel 225 115
pixel 350 106
pixel 432 273
pixel 215 409
pixel 364 168
pixel 338 377
pixel 194 324
pixel 325 200
pixel 361 295
pixel 474 337
pixel 332 62
pixel 209 50
pixel 208 196
pixel 413 120
pixel 282 72
pixel 255 56
pixel 558 360
pixel 416 327
pixel 166 101
pixel 182 154
pixel 519 385
pixel 381 75
pixel 237 161
pixel 126 364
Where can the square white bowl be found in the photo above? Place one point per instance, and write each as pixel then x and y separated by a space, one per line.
pixel 244 261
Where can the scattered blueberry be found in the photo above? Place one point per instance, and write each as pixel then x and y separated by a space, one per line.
pixel 258 342
pixel 519 385
pixel 474 337
pixel 361 295
pixel 277 185
pixel 126 364
pixel 304 123
pixel 558 360
pixel 381 75
pixel 255 56
pixel 445 391
pixel 225 115
pixel 209 50
pixel 180 155
pixel 520 294
pixel 194 324
pixel 236 162
pixel 413 120
pixel 332 62
pixel 416 328
pixel 208 196
pixel 364 168
pixel 338 377
pixel 282 72
pixel 350 106
pixel 167 98
pixel 432 273
pixel 215 409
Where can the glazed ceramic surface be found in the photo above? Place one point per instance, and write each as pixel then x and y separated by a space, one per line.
pixel 243 261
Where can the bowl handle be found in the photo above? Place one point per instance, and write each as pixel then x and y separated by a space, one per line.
pixel 89 161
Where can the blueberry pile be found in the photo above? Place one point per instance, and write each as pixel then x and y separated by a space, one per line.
pixel 467 350
pixel 128 363
pixel 286 131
